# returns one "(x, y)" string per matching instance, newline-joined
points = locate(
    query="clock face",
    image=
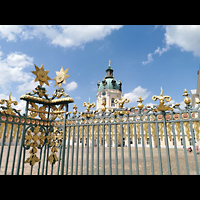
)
(103, 93)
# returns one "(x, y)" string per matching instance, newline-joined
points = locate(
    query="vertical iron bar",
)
(166, 144)
(87, 153)
(92, 162)
(46, 134)
(184, 145)
(82, 150)
(64, 141)
(58, 170)
(8, 152)
(97, 149)
(77, 149)
(47, 159)
(159, 152)
(116, 144)
(129, 149)
(151, 150)
(68, 146)
(15, 151)
(122, 147)
(103, 152)
(3, 141)
(175, 146)
(136, 150)
(193, 143)
(22, 140)
(72, 155)
(110, 158)
(44, 159)
(40, 161)
(143, 147)
(23, 160)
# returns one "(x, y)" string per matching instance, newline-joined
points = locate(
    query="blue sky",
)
(144, 58)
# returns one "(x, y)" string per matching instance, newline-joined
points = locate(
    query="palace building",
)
(108, 90)
(195, 94)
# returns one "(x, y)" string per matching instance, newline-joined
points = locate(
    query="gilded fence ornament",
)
(153, 130)
(169, 130)
(187, 129)
(138, 131)
(121, 102)
(187, 99)
(145, 127)
(140, 105)
(41, 75)
(75, 109)
(31, 139)
(61, 77)
(8, 102)
(161, 131)
(88, 105)
(196, 129)
(131, 131)
(54, 139)
(161, 98)
(178, 130)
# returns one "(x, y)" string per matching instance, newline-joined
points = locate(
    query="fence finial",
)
(161, 98)
(187, 99)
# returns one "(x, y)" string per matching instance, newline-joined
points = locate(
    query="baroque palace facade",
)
(108, 97)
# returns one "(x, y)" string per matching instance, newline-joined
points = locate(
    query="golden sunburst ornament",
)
(61, 76)
(41, 75)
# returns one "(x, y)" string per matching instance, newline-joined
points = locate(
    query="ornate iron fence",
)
(47, 139)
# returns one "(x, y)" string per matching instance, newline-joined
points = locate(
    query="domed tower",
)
(109, 89)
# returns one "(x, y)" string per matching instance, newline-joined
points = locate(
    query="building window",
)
(104, 99)
(112, 102)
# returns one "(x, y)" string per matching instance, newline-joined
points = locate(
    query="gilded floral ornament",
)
(54, 139)
(121, 102)
(8, 102)
(88, 105)
(161, 98)
(41, 75)
(31, 139)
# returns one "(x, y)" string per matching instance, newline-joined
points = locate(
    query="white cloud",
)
(12, 69)
(150, 59)
(71, 86)
(61, 35)
(134, 95)
(9, 32)
(186, 37)
(27, 87)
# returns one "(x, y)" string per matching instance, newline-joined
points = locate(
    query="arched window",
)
(112, 102)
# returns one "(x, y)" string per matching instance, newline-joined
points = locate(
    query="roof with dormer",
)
(109, 81)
